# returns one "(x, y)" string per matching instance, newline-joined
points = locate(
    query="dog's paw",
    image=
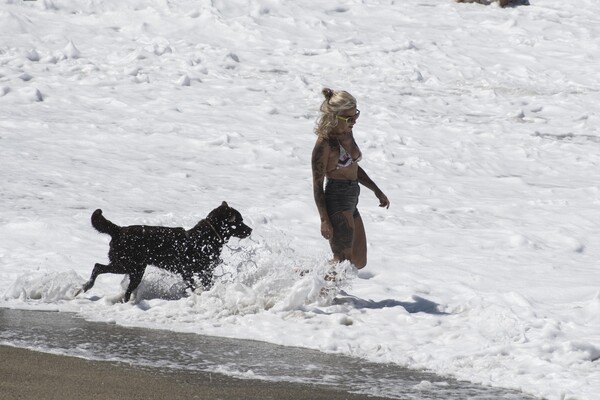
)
(302, 272)
(197, 291)
(84, 288)
(116, 299)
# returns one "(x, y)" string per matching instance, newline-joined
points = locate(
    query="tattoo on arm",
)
(319, 161)
(318, 166)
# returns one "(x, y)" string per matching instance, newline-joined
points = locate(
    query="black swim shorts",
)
(341, 195)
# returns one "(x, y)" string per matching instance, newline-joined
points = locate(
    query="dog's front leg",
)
(206, 276)
(191, 284)
(188, 278)
(135, 278)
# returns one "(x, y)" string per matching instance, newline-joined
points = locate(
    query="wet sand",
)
(26, 374)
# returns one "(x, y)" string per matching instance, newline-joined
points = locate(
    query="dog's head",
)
(229, 222)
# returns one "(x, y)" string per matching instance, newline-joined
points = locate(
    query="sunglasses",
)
(349, 120)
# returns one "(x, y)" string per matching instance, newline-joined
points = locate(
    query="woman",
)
(335, 157)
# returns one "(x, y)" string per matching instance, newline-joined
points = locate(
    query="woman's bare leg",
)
(359, 244)
(349, 240)
(343, 236)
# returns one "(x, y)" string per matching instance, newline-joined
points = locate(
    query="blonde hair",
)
(336, 102)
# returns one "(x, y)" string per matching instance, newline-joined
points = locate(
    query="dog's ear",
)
(224, 204)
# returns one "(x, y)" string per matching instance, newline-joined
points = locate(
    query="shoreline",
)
(29, 374)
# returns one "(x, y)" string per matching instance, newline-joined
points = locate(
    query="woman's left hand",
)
(383, 200)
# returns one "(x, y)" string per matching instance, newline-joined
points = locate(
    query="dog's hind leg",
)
(135, 278)
(207, 278)
(100, 269)
(188, 279)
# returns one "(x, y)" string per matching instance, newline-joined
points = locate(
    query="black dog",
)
(193, 252)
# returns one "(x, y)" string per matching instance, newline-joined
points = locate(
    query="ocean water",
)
(64, 333)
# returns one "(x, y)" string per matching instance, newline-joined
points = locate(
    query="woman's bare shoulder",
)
(322, 144)
(328, 142)
(320, 148)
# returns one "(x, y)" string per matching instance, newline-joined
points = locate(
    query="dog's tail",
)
(103, 225)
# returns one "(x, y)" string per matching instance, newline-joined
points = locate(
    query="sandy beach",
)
(26, 374)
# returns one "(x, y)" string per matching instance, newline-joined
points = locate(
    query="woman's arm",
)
(319, 164)
(364, 180)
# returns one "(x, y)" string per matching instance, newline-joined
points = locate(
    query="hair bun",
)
(328, 93)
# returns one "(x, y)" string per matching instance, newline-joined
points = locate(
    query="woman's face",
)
(345, 121)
